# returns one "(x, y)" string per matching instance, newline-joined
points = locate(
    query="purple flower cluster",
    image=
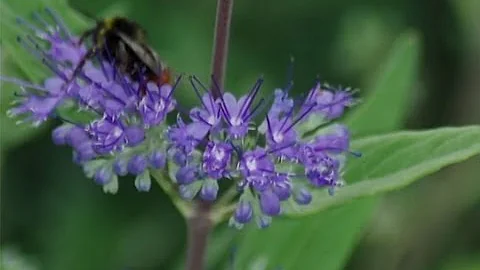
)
(270, 164)
(126, 117)
(126, 132)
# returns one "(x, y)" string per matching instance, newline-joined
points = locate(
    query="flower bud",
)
(303, 196)
(244, 212)
(103, 175)
(185, 175)
(157, 160)
(269, 203)
(137, 164)
(209, 190)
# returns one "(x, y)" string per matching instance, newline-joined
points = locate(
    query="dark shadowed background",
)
(54, 218)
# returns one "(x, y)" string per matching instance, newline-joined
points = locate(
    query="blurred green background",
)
(54, 218)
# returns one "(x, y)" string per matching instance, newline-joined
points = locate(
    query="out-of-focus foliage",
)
(55, 215)
(386, 105)
(11, 259)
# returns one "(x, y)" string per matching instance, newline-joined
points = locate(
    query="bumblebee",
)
(123, 42)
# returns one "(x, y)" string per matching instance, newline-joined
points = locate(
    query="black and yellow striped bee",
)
(123, 42)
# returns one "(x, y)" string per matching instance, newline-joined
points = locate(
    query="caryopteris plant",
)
(242, 158)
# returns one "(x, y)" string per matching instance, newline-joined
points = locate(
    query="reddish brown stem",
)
(200, 223)
(220, 46)
(199, 226)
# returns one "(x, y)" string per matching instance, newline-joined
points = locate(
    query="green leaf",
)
(392, 161)
(313, 242)
(386, 105)
(73, 114)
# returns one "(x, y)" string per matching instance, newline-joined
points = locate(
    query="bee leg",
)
(138, 72)
(84, 36)
(91, 52)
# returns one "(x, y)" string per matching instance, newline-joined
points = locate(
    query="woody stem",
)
(200, 223)
(220, 47)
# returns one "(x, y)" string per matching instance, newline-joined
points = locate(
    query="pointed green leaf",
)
(392, 161)
(385, 107)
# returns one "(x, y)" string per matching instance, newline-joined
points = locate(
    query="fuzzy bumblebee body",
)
(123, 42)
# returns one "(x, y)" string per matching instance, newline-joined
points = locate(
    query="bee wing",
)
(144, 53)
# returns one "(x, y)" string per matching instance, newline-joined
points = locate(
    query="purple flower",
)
(244, 212)
(183, 137)
(206, 117)
(209, 190)
(76, 136)
(325, 173)
(269, 203)
(308, 156)
(256, 162)
(303, 196)
(103, 176)
(83, 152)
(179, 157)
(186, 175)
(237, 114)
(336, 142)
(234, 116)
(106, 135)
(137, 164)
(79, 140)
(260, 182)
(134, 136)
(120, 167)
(328, 103)
(42, 102)
(281, 185)
(154, 106)
(281, 137)
(256, 168)
(340, 99)
(216, 159)
(282, 104)
(65, 51)
(158, 159)
(39, 107)
(280, 132)
(60, 134)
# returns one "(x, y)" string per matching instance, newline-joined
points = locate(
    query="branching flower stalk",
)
(116, 125)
